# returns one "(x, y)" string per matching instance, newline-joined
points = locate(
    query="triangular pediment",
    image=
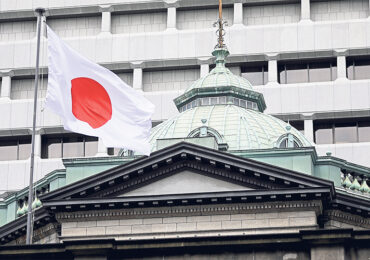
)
(185, 182)
(183, 169)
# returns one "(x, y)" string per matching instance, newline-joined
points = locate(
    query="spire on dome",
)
(220, 51)
(220, 23)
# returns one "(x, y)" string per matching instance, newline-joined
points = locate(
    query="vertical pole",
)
(220, 9)
(220, 36)
(40, 12)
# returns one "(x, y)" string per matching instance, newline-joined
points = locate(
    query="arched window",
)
(288, 141)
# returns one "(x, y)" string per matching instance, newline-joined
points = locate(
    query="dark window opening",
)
(299, 125)
(256, 73)
(307, 71)
(358, 67)
(15, 148)
(284, 144)
(336, 131)
(68, 145)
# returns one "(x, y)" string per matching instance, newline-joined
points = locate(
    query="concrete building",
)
(308, 58)
(225, 179)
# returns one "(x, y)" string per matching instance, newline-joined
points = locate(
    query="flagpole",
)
(40, 12)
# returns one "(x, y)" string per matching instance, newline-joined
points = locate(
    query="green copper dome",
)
(240, 128)
(225, 106)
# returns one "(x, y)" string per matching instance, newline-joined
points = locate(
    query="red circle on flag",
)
(90, 102)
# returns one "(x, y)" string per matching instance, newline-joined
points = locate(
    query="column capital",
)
(106, 8)
(38, 131)
(341, 52)
(6, 73)
(171, 3)
(205, 60)
(272, 56)
(307, 116)
(137, 64)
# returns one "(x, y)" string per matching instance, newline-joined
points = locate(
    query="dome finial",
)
(220, 23)
(220, 51)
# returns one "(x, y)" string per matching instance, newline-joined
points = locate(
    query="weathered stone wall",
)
(340, 219)
(189, 221)
(44, 235)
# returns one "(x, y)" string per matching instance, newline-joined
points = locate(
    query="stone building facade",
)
(301, 55)
(225, 179)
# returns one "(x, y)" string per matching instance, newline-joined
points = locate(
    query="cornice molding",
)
(218, 209)
(189, 153)
(347, 218)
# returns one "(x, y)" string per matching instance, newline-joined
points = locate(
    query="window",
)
(307, 71)
(299, 125)
(358, 67)
(324, 133)
(285, 143)
(364, 131)
(338, 131)
(255, 73)
(113, 151)
(322, 71)
(288, 141)
(345, 132)
(116, 151)
(219, 100)
(15, 148)
(155, 123)
(68, 145)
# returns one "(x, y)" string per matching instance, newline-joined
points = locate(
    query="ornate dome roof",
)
(239, 127)
(220, 76)
(225, 106)
(220, 82)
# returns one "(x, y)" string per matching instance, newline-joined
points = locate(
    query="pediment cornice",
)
(173, 159)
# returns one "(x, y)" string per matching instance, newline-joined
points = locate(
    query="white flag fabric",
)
(94, 101)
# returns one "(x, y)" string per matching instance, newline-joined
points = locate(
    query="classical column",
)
(238, 13)
(102, 150)
(37, 151)
(106, 11)
(204, 69)
(204, 65)
(137, 81)
(305, 10)
(308, 129)
(272, 68)
(6, 83)
(341, 64)
(171, 17)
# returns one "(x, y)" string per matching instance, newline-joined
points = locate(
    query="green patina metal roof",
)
(241, 128)
(221, 82)
(221, 76)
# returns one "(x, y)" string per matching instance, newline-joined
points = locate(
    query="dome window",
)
(221, 100)
(205, 131)
(285, 143)
(288, 140)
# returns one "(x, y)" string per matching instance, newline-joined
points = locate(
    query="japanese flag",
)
(94, 101)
